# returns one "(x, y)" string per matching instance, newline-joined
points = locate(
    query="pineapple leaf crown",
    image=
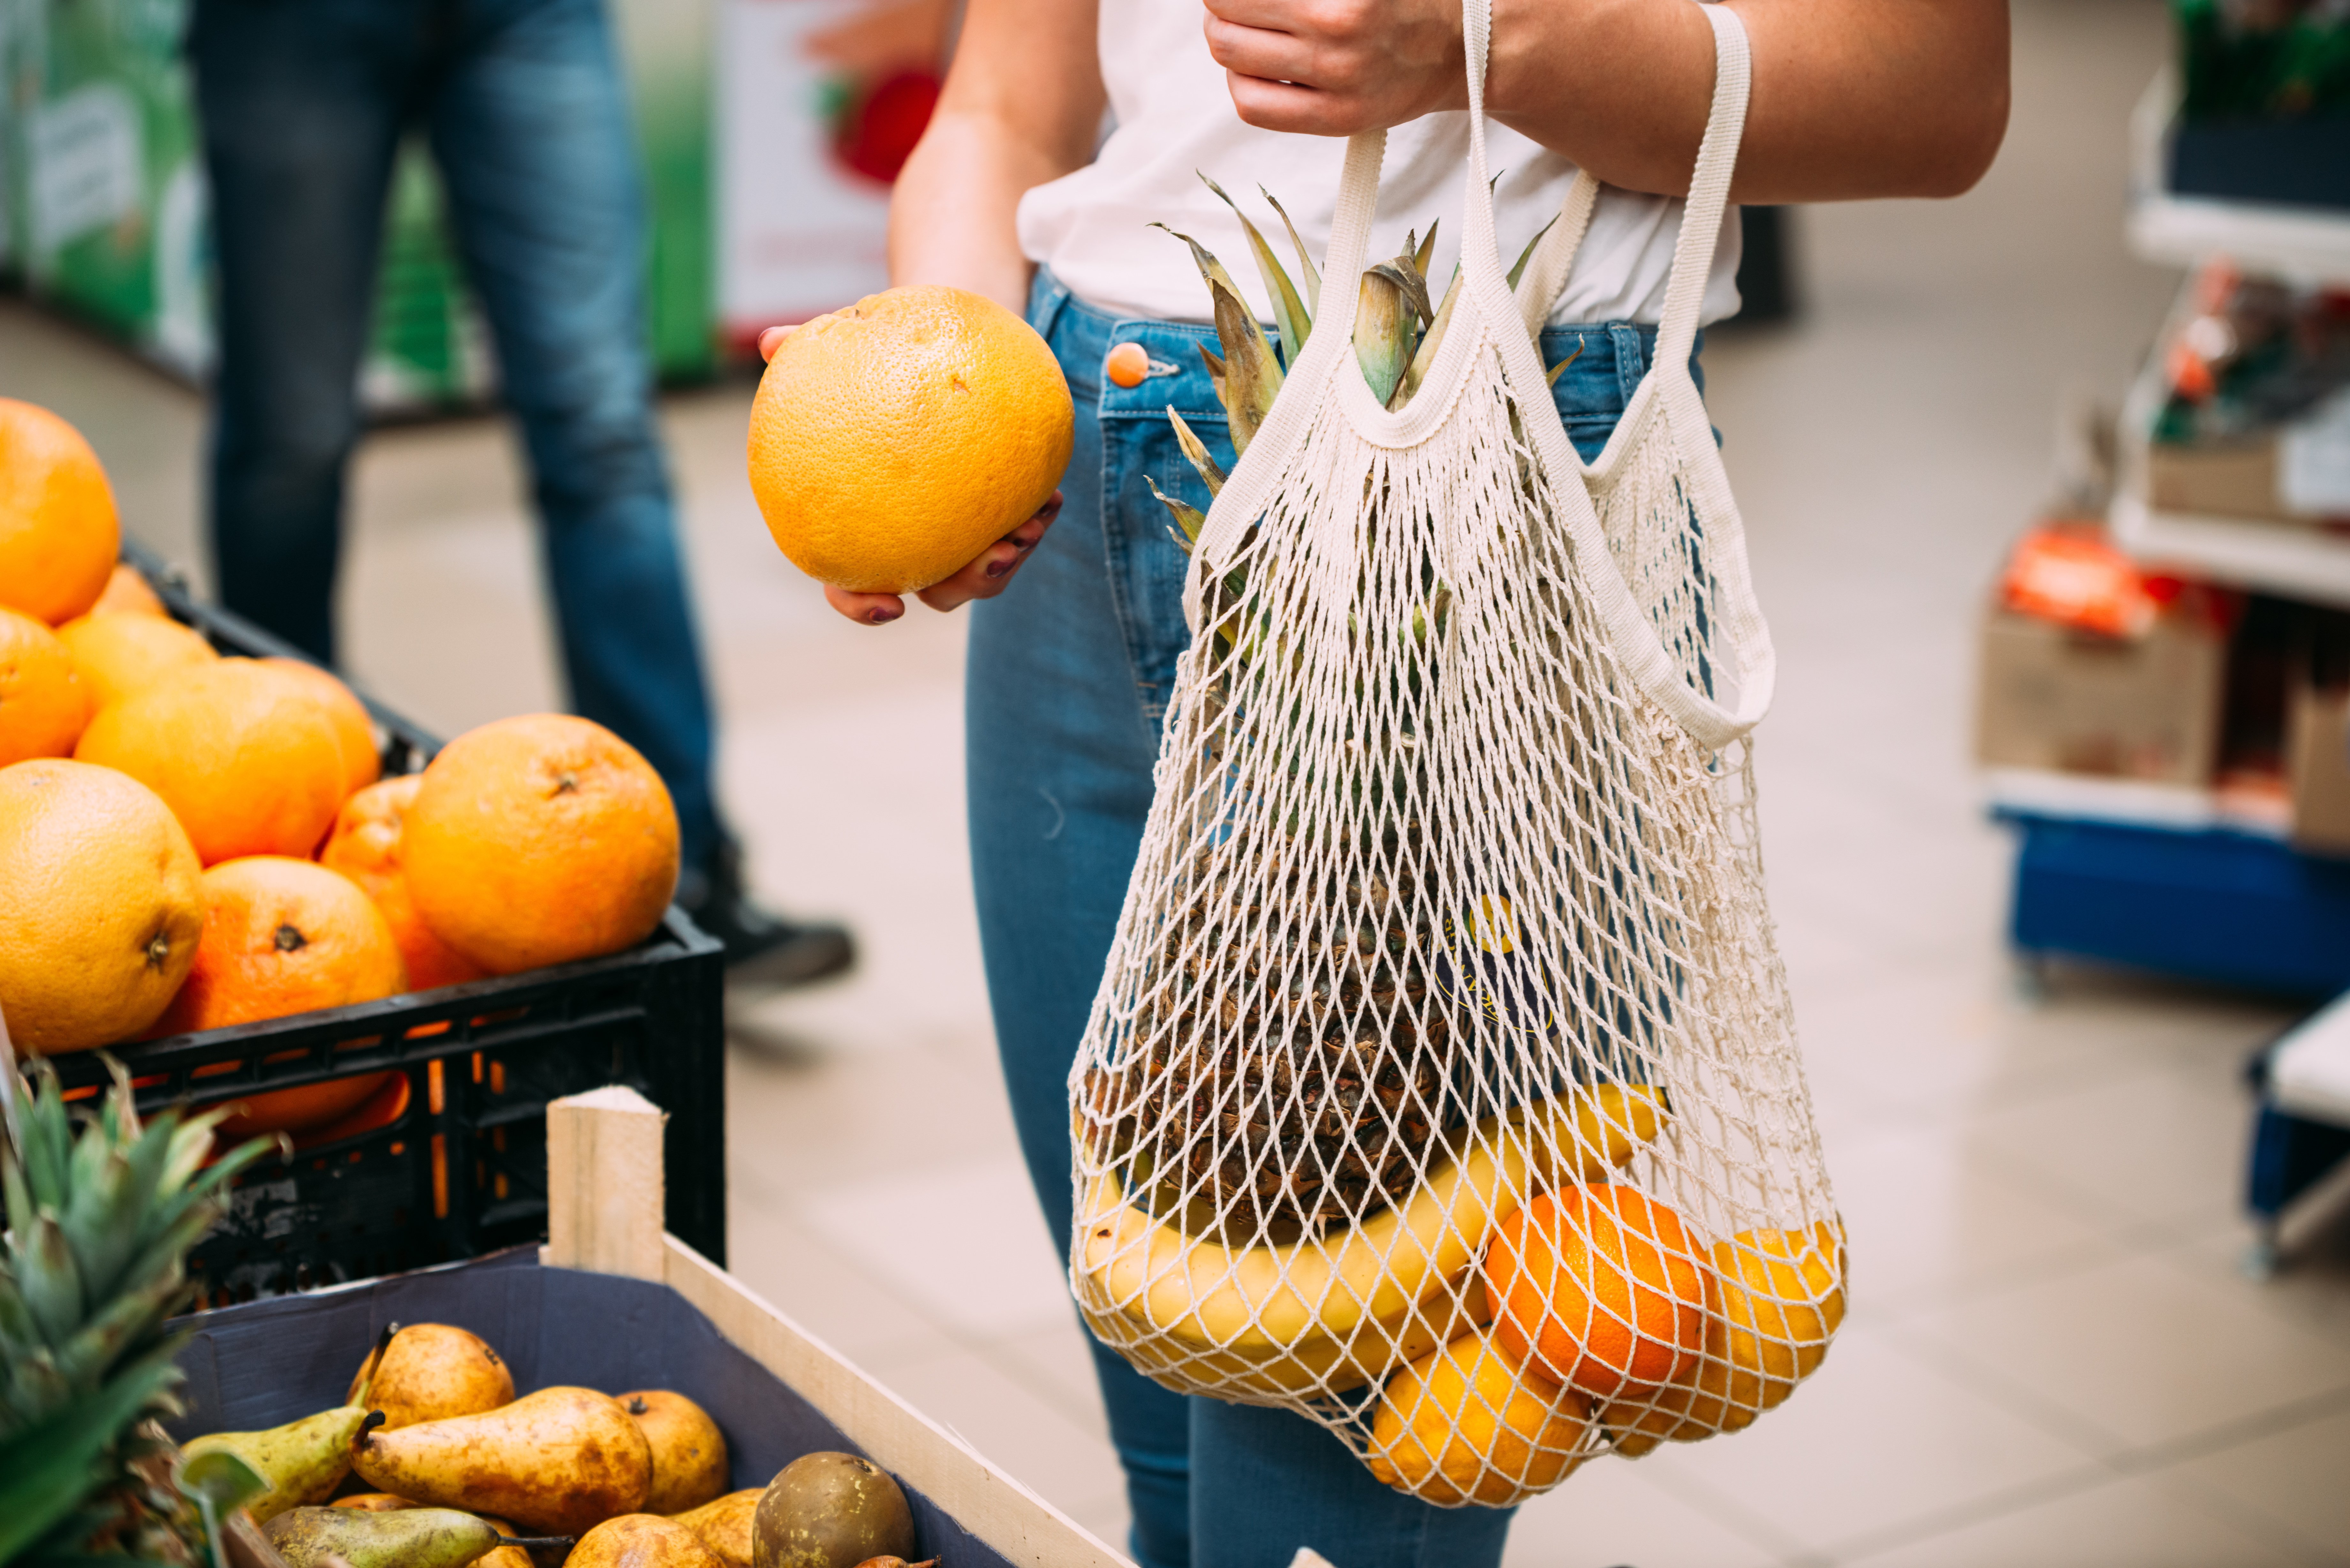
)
(101, 1211)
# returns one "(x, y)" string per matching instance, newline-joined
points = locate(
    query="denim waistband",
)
(1614, 356)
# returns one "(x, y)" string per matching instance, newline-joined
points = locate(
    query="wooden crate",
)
(614, 1302)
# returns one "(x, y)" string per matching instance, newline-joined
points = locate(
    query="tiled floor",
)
(2052, 1361)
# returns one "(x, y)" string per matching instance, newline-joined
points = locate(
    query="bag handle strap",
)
(1548, 268)
(1709, 195)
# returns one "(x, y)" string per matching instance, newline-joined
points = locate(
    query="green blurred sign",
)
(103, 209)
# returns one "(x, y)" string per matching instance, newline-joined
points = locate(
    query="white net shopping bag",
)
(1442, 1085)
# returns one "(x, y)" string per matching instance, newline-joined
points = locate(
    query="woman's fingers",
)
(993, 572)
(983, 578)
(866, 609)
(773, 338)
(1329, 68)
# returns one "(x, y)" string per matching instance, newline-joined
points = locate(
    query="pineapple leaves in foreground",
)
(1304, 258)
(1289, 312)
(1528, 254)
(100, 1220)
(1196, 451)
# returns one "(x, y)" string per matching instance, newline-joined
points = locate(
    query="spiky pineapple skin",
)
(99, 1220)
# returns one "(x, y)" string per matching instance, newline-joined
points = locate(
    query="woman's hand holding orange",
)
(984, 577)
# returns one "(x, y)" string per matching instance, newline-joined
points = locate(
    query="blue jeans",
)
(1069, 678)
(303, 103)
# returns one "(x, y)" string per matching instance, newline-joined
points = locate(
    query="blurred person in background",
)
(304, 104)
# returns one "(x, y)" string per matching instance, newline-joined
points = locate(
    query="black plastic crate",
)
(460, 1167)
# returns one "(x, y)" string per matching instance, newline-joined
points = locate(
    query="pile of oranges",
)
(1598, 1307)
(189, 841)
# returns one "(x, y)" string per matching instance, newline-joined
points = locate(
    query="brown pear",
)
(560, 1461)
(431, 1371)
(373, 1502)
(724, 1526)
(830, 1510)
(689, 1451)
(641, 1541)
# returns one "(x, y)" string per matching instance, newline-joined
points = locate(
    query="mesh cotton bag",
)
(1442, 1085)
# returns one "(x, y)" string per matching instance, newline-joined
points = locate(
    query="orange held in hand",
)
(365, 847)
(540, 840)
(893, 441)
(245, 756)
(44, 700)
(99, 907)
(1601, 1288)
(59, 532)
(123, 655)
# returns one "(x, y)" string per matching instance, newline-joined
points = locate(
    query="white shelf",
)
(2293, 559)
(2298, 560)
(2131, 802)
(2294, 242)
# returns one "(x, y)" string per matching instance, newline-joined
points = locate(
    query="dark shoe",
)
(762, 949)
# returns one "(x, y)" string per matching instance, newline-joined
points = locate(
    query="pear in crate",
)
(724, 1525)
(402, 1538)
(302, 1461)
(689, 1451)
(560, 1461)
(431, 1371)
(830, 1510)
(641, 1541)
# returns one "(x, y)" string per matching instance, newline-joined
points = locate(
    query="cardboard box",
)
(2143, 708)
(2317, 769)
(2235, 481)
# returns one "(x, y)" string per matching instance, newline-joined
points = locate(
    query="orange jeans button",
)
(1127, 364)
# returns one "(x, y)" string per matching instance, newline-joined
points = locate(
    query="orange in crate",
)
(540, 840)
(127, 593)
(44, 700)
(365, 846)
(123, 655)
(354, 731)
(58, 532)
(285, 936)
(100, 905)
(1600, 1288)
(246, 756)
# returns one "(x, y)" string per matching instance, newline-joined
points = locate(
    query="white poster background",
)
(798, 235)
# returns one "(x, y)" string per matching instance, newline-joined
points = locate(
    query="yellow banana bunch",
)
(1333, 1312)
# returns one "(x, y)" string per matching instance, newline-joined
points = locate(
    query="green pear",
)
(302, 1461)
(401, 1538)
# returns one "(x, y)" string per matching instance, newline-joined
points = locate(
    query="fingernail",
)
(997, 568)
(1023, 545)
(879, 616)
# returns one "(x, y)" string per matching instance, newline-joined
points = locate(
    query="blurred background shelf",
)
(2173, 228)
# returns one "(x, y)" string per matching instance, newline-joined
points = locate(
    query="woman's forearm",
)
(1021, 105)
(1851, 98)
(951, 216)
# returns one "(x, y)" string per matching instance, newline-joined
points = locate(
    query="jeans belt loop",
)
(1631, 359)
(1055, 295)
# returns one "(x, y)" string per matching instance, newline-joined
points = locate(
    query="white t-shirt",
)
(1174, 115)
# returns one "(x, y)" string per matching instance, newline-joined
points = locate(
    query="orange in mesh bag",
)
(1442, 1085)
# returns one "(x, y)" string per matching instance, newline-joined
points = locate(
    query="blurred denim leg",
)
(530, 127)
(301, 107)
(1266, 1483)
(1057, 760)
